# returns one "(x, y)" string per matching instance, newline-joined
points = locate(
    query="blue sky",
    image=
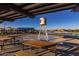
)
(64, 19)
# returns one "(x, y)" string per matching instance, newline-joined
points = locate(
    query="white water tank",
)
(42, 21)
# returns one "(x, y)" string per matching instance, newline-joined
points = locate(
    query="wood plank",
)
(24, 53)
(75, 41)
(38, 43)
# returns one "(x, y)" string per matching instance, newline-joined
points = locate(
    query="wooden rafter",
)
(10, 11)
(17, 9)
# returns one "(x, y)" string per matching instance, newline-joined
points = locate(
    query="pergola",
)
(12, 11)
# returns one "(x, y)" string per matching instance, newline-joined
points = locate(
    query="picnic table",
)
(14, 37)
(41, 43)
(73, 47)
(44, 44)
(3, 39)
(74, 43)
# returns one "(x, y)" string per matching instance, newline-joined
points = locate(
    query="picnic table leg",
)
(56, 51)
(14, 40)
(53, 49)
(2, 45)
(10, 41)
(22, 47)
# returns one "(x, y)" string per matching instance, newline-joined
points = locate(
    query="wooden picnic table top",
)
(4, 38)
(14, 35)
(24, 53)
(39, 43)
(75, 41)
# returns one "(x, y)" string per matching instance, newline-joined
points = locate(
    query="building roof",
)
(12, 11)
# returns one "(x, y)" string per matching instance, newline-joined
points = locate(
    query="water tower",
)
(43, 31)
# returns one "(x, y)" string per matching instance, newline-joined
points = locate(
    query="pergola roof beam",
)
(57, 9)
(17, 9)
(13, 15)
(8, 13)
(17, 17)
(35, 6)
(49, 7)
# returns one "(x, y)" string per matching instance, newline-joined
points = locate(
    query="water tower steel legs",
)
(41, 31)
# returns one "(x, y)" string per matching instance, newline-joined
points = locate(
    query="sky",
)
(66, 19)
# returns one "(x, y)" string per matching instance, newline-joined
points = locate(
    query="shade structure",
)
(12, 11)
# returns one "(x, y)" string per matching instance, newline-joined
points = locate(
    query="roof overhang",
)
(12, 11)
